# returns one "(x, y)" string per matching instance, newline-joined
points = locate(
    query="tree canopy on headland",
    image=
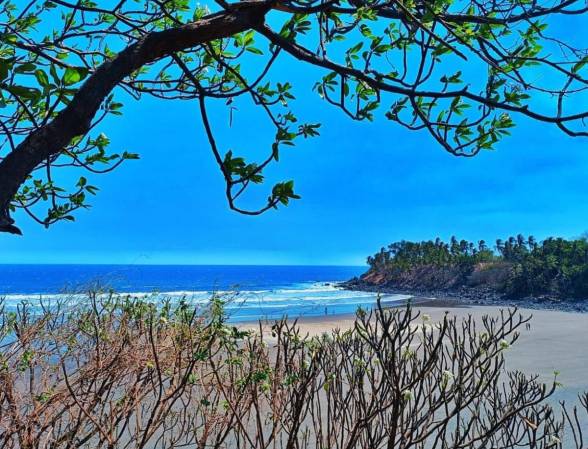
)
(462, 71)
(517, 266)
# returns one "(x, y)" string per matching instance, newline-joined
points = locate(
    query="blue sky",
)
(363, 185)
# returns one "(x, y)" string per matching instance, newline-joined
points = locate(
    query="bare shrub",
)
(119, 372)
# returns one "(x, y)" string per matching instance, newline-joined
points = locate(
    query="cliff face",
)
(554, 269)
(433, 277)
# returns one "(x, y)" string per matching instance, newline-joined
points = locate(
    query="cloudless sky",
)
(363, 185)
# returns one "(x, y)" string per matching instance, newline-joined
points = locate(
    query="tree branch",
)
(75, 119)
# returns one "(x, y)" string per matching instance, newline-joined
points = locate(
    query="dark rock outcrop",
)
(481, 284)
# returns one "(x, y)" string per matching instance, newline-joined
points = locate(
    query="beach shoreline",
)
(549, 345)
(473, 296)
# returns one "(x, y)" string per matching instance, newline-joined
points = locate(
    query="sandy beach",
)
(556, 341)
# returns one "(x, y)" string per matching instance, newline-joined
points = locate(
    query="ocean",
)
(251, 292)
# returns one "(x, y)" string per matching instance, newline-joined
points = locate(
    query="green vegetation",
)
(555, 266)
(404, 254)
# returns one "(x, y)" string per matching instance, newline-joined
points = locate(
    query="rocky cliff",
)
(486, 276)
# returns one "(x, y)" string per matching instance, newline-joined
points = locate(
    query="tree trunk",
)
(76, 118)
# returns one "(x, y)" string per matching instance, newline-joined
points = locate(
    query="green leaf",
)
(25, 93)
(27, 67)
(5, 66)
(42, 78)
(254, 50)
(74, 75)
(581, 63)
(130, 156)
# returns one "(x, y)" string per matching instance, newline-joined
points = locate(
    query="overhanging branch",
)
(75, 119)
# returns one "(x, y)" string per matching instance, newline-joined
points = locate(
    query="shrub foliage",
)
(122, 373)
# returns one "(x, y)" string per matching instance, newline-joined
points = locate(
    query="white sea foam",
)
(301, 299)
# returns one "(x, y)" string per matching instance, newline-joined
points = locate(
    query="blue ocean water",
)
(252, 292)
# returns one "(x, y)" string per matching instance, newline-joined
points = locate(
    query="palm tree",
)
(500, 247)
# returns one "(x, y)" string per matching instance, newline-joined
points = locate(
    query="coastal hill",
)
(517, 267)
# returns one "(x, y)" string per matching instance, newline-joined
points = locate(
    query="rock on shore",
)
(485, 294)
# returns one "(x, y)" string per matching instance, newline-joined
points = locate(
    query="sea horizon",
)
(251, 291)
(187, 264)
